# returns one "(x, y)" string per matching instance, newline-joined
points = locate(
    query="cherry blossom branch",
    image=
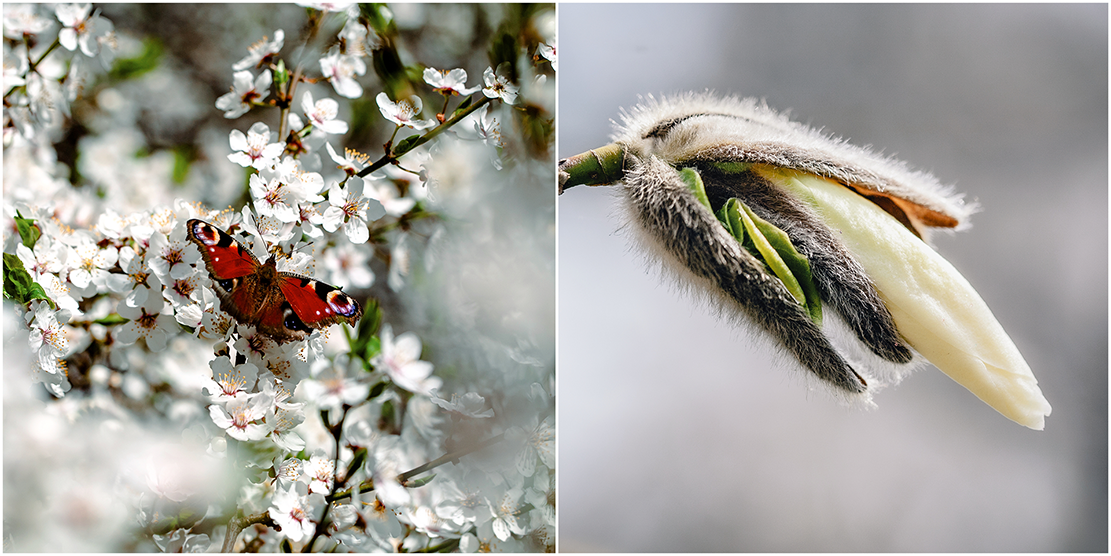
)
(368, 485)
(390, 157)
(337, 432)
(53, 45)
(240, 522)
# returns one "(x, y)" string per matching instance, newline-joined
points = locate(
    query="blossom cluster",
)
(324, 443)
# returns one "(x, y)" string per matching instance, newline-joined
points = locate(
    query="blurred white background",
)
(678, 433)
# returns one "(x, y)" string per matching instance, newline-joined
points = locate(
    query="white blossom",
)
(403, 112)
(261, 51)
(254, 149)
(498, 85)
(245, 92)
(322, 114)
(341, 70)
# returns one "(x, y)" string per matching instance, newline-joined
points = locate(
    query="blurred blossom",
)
(348, 266)
(535, 444)
(357, 38)
(385, 192)
(468, 405)
(260, 52)
(400, 359)
(337, 384)
(331, 7)
(16, 65)
(24, 19)
(181, 541)
(399, 263)
(504, 512)
(342, 70)
(81, 28)
(548, 52)
(386, 485)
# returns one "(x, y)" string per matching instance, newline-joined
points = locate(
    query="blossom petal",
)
(934, 307)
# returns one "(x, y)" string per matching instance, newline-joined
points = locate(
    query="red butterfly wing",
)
(235, 273)
(223, 255)
(317, 304)
(282, 305)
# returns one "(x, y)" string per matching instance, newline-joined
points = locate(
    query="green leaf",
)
(147, 60)
(110, 319)
(377, 16)
(29, 233)
(730, 217)
(18, 284)
(405, 145)
(694, 183)
(183, 158)
(417, 483)
(377, 389)
(281, 75)
(792, 268)
(366, 343)
(463, 106)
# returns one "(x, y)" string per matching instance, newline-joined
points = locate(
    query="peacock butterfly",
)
(282, 305)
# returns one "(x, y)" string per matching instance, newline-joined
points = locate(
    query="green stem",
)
(50, 49)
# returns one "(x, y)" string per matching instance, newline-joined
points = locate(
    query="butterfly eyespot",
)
(341, 303)
(293, 322)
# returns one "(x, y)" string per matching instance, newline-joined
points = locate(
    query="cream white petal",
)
(934, 307)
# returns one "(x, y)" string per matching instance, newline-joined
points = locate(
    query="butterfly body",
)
(282, 305)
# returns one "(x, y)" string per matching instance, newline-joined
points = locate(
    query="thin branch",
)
(368, 485)
(49, 49)
(388, 158)
(237, 524)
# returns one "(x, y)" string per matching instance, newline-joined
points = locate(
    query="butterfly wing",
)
(223, 255)
(283, 305)
(317, 304)
(234, 269)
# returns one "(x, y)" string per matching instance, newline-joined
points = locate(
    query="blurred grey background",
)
(677, 433)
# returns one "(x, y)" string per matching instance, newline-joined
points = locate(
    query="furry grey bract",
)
(729, 142)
